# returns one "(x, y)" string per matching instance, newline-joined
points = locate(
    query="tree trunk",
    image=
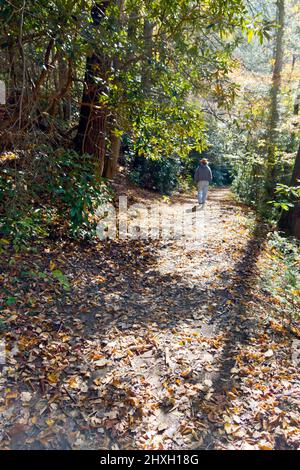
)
(296, 170)
(91, 134)
(297, 101)
(270, 180)
(148, 48)
(296, 113)
(277, 70)
(63, 86)
(67, 98)
(111, 163)
(290, 220)
(112, 155)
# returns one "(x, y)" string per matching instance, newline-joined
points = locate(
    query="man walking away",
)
(202, 178)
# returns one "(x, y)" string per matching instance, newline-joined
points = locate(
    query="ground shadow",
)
(122, 285)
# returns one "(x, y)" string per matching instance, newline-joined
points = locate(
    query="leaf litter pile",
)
(148, 344)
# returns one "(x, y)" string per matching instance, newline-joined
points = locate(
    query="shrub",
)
(160, 174)
(248, 173)
(282, 272)
(49, 187)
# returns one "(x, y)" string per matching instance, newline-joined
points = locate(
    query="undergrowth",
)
(281, 272)
(46, 192)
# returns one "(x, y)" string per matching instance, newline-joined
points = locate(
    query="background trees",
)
(158, 79)
(104, 63)
(259, 137)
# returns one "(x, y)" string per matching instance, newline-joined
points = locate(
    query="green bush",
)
(286, 197)
(248, 174)
(160, 174)
(282, 275)
(74, 188)
(49, 188)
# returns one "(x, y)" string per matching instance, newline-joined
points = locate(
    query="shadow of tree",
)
(240, 326)
(138, 287)
(121, 284)
(232, 319)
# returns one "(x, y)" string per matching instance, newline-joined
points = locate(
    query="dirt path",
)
(156, 345)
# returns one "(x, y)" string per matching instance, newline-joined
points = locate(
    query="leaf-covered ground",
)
(149, 345)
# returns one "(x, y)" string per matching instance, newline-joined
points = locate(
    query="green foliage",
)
(164, 173)
(61, 278)
(74, 188)
(10, 300)
(160, 174)
(243, 146)
(248, 177)
(286, 196)
(64, 190)
(174, 129)
(282, 273)
(148, 91)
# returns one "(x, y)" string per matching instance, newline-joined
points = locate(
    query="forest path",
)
(165, 344)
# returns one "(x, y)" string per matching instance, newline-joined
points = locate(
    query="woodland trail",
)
(156, 345)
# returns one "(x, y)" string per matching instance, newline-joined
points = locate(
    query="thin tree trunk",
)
(148, 48)
(111, 163)
(270, 179)
(290, 220)
(62, 90)
(297, 101)
(67, 98)
(296, 171)
(296, 113)
(93, 114)
(112, 155)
